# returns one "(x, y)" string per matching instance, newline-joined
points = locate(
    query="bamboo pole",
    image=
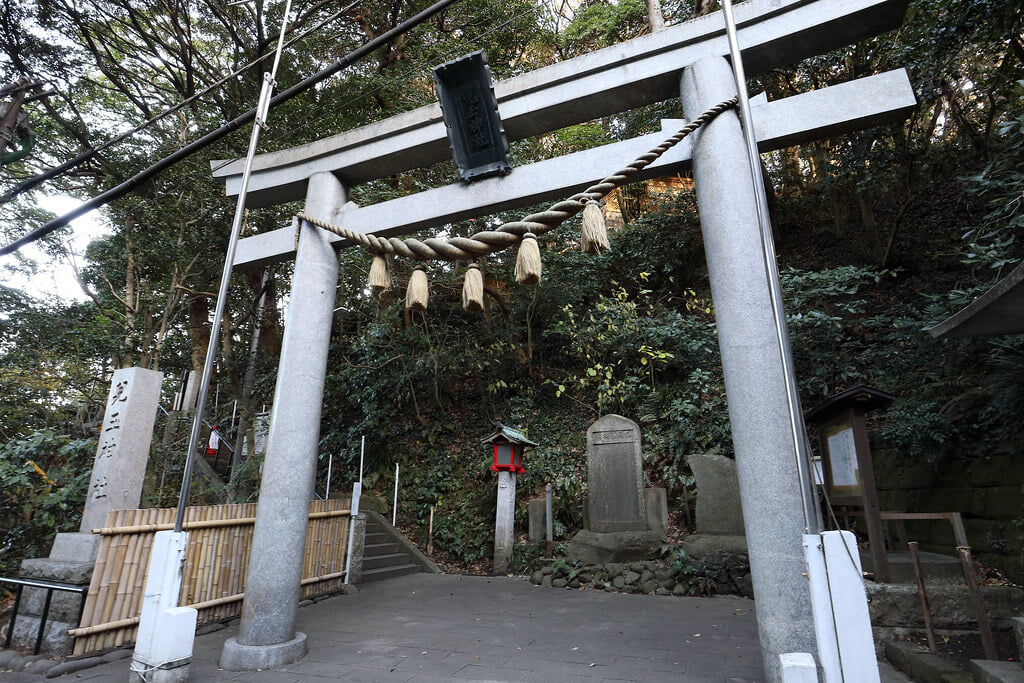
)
(134, 621)
(198, 524)
(103, 628)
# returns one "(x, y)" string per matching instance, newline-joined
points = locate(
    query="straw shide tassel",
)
(528, 261)
(418, 292)
(594, 235)
(380, 275)
(473, 289)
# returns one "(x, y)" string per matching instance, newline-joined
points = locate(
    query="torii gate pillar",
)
(754, 383)
(266, 636)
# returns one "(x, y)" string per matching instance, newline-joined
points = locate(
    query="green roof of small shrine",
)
(509, 434)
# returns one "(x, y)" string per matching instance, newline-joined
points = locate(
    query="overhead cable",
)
(401, 78)
(90, 153)
(127, 186)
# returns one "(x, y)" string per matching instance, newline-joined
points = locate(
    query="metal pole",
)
(225, 279)
(362, 450)
(812, 521)
(394, 506)
(327, 489)
(550, 520)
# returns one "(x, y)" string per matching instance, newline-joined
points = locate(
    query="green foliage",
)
(605, 23)
(995, 242)
(870, 232)
(46, 477)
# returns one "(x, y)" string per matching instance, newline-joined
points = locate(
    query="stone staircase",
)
(385, 554)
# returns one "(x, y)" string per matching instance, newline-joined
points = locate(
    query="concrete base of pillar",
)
(56, 641)
(71, 561)
(355, 570)
(142, 672)
(238, 657)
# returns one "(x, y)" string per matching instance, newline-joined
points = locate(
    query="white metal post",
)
(394, 505)
(821, 609)
(327, 489)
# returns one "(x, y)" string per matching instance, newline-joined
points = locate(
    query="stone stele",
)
(123, 448)
(719, 513)
(615, 476)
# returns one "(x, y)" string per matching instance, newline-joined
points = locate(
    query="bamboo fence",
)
(213, 575)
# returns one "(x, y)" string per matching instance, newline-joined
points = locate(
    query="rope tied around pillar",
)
(515, 232)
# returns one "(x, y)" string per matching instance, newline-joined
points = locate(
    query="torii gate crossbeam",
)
(628, 75)
(856, 105)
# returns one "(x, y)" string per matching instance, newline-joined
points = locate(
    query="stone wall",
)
(988, 492)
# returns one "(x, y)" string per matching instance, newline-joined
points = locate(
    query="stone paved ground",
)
(428, 627)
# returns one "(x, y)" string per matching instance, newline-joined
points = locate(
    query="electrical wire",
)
(90, 153)
(128, 185)
(203, 171)
(404, 77)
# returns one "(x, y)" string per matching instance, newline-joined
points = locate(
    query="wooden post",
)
(987, 641)
(872, 516)
(926, 609)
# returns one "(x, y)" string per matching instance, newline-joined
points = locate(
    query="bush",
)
(46, 477)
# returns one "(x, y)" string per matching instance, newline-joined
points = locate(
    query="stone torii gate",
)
(686, 59)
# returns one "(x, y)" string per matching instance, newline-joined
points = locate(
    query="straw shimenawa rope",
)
(510, 234)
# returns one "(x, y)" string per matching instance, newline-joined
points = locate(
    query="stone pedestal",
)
(597, 547)
(504, 523)
(70, 562)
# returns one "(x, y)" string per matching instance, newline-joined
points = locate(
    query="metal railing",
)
(49, 587)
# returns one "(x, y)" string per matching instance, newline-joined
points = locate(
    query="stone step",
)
(382, 573)
(389, 560)
(376, 549)
(377, 537)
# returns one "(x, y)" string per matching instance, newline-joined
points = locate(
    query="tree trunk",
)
(654, 16)
(198, 331)
(865, 199)
(704, 7)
